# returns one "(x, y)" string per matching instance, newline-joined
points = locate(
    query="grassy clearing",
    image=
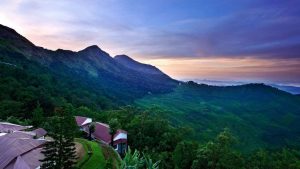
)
(111, 155)
(85, 158)
(94, 160)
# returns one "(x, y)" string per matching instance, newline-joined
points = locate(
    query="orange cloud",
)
(249, 69)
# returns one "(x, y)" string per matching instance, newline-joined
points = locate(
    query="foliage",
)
(286, 158)
(148, 132)
(261, 116)
(218, 154)
(136, 161)
(132, 160)
(184, 154)
(113, 127)
(37, 116)
(60, 153)
(149, 164)
(91, 130)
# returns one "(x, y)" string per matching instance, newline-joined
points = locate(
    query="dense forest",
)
(262, 116)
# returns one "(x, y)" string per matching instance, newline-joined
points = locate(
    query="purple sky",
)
(248, 40)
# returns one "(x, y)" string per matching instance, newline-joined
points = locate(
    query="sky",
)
(233, 40)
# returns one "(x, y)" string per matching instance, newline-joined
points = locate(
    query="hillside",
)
(137, 66)
(262, 116)
(92, 66)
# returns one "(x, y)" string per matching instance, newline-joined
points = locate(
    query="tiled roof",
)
(15, 144)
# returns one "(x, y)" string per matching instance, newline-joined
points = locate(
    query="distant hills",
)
(261, 115)
(287, 88)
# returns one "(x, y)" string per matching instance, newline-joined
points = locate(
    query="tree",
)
(60, 153)
(259, 160)
(184, 154)
(37, 116)
(113, 127)
(91, 130)
(50, 158)
(286, 158)
(218, 154)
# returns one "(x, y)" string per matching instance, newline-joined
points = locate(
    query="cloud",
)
(260, 29)
(260, 32)
(248, 69)
(171, 30)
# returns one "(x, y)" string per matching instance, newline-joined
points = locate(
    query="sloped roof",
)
(102, 133)
(32, 159)
(19, 134)
(21, 164)
(81, 121)
(9, 127)
(40, 132)
(13, 145)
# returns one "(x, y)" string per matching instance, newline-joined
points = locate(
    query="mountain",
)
(31, 76)
(290, 89)
(91, 65)
(287, 88)
(137, 66)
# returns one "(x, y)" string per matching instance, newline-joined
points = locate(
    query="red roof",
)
(101, 130)
(102, 133)
(80, 120)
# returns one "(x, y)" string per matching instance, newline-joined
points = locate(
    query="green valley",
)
(262, 116)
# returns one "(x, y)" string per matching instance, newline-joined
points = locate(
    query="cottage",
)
(83, 123)
(102, 133)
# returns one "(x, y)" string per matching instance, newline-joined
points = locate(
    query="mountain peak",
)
(124, 58)
(2, 28)
(92, 47)
(13, 37)
(135, 65)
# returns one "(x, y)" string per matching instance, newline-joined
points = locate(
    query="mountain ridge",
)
(90, 63)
